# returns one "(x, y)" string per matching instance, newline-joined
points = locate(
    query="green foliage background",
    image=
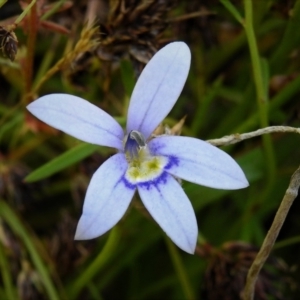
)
(244, 76)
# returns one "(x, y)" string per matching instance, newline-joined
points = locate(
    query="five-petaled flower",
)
(150, 165)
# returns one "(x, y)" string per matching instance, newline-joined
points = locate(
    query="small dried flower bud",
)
(227, 271)
(8, 43)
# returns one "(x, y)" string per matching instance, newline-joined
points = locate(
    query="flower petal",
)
(79, 118)
(107, 199)
(199, 162)
(172, 210)
(158, 88)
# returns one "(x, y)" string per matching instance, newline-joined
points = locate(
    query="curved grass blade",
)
(232, 9)
(10, 292)
(61, 162)
(19, 229)
(2, 2)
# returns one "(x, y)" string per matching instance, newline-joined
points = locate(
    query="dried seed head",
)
(8, 43)
(227, 271)
(133, 27)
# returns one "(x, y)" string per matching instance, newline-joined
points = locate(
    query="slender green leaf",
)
(6, 275)
(61, 162)
(128, 78)
(2, 2)
(25, 12)
(288, 43)
(232, 9)
(180, 270)
(265, 75)
(19, 229)
(12, 123)
(287, 242)
(53, 9)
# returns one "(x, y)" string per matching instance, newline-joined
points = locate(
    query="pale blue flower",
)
(149, 166)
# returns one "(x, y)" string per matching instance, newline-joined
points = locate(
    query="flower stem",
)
(25, 12)
(180, 270)
(261, 84)
(287, 201)
(53, 9)
(6, 276)
(257, 71)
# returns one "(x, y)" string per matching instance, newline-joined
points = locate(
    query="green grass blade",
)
(61, 162)
(231, 8)
(19, 229)
(2, 2)
(6, 276)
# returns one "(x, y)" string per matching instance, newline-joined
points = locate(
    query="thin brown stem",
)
(237, 137)
(264, 252)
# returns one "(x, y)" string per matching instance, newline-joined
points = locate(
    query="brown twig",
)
(236, 137)
(287, 201)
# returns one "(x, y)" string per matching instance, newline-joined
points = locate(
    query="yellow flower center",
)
(142, 166)
(145, 167)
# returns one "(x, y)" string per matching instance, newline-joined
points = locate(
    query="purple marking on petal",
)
(155, 147)
(172, 210)
(162, 179)
(106, 200)
(199, 162)
(173, 161)
(147, 184)
(127, 183)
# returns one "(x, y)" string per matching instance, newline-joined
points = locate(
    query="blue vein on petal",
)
(172, 161)
(84, 121)
(156, 148)
(156, 186)
(158, 88)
